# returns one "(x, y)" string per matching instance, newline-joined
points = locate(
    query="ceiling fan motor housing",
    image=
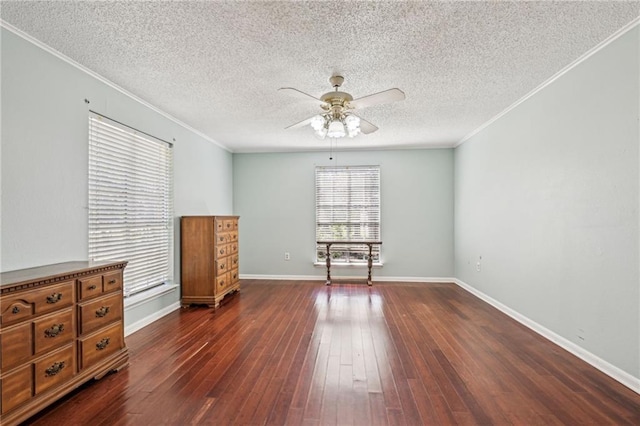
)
(336, 103)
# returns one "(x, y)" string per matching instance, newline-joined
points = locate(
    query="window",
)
(130, 202)
(348, 209)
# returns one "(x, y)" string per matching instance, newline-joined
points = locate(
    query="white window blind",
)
(130, 202)
(348, 209)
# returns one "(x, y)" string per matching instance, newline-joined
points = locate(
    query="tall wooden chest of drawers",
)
(60, 326)
(209, 259)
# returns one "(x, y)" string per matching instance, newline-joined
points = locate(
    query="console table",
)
(370, 244)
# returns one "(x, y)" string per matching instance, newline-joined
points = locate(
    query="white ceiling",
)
(216, 66)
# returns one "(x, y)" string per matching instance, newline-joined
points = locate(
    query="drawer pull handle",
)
(104, 310)
(15, 310)
(221, 251)
(222, 283)
(54, 330)
(103, 343)
(222, 266)
(112, 282)
(92, 287)
(54, 298)
(54, 369)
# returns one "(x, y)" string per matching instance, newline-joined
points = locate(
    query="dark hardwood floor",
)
(301, 353)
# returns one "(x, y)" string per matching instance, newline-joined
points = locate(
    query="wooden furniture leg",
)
(369, 265)
(328, 265)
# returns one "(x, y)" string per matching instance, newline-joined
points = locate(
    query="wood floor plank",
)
(302, 353)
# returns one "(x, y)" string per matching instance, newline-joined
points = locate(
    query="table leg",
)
(328, 265)
(369, 265)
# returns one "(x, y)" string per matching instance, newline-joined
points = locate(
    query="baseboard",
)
(345, 277)
(610, 370)
(283, 277)
(430, 280)
(151, 318)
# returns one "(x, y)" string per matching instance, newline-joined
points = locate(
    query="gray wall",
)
(548, 197)
(44, 159)
(275, 196)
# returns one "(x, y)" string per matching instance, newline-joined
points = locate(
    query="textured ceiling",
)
(216, 66)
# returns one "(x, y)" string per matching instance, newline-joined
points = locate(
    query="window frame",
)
(130, 202)
(357, 183)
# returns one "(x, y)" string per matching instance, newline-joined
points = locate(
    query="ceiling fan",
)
(336, 120)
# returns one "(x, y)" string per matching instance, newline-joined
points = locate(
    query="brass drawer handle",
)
(222, 266)
(104, 310)
(111, 282)
(54, 298)
(54, 330)
(103, 343)
(221, 251)
(15, 310)
(92, 287)
(54, 369)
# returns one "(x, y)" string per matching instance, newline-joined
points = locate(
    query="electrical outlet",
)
(478, 266)
(287, 256)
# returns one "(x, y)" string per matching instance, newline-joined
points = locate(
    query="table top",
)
(350, 242)
(12, 278)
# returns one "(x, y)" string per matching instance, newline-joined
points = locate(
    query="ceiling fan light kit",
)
(337, 120)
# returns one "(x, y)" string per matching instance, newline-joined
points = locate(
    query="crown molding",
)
(105, 81)
(631, 25)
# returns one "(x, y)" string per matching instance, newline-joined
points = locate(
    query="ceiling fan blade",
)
(384, 97)
(300, 124)
(299, 94)
(365, 126)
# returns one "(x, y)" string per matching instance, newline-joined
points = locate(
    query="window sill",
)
(148, 295)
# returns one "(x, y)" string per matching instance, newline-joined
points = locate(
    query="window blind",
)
(348, 209)
(130, 202)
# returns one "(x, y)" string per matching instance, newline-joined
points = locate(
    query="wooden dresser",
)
(60, 326)
(209, 259)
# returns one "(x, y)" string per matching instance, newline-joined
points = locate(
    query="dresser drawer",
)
(222, 239)
(25, 304)
(229, 225)
(53, 330)
(233, 248)
(221, 266)
(221, 251)
(222, 282)
(233, 237)
(17, 345)
(219, 226)
(99, 312)
(112, 281)
(17, 387)
(233, 277)
(54, 369)
(89, 287)
(234, 261)
(100, 345)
